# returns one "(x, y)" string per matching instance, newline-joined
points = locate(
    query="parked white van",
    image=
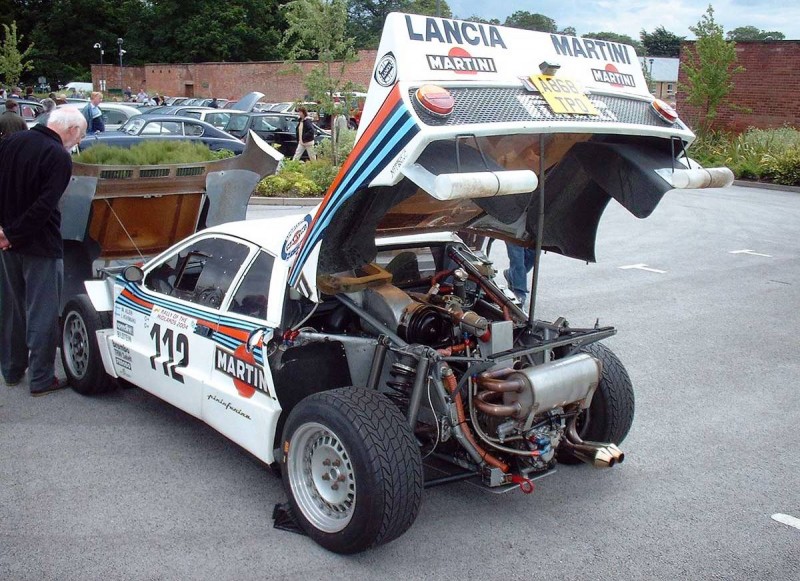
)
(79, 87)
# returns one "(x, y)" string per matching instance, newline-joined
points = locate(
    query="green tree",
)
(752, 33)
(13, 62)
(620, 38)
(661, 42)
(317, 30)
(428, 8)
(481, 19)
(710, 68)
(528, 21)
(366, 17)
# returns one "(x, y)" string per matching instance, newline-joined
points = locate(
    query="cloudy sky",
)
(630, 16)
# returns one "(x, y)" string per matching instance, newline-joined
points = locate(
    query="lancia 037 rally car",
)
(347, 362)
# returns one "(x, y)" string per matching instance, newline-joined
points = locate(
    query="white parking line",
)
(750, 252)
(787, 520)
(642, 267)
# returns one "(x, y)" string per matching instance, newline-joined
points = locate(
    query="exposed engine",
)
(482, 387)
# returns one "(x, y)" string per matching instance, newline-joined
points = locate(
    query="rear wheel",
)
(352, 469)
(610, 416)
(80, 352)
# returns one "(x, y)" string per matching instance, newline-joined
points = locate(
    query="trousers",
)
(30, 299)
(521, 261)
(305, 146)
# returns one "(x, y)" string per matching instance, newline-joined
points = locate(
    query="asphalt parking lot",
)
(706, 297)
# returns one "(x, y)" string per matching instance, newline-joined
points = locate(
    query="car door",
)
(240, 401)
(169, 321)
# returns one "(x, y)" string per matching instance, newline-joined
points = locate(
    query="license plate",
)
(563, 95)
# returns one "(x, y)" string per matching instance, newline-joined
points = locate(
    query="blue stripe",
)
(384, 147)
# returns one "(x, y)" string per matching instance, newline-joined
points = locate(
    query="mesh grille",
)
(190, 171)
(154, 173)
(116, 174)
(510, 105)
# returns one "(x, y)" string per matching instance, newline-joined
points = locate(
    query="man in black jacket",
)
(35, 168)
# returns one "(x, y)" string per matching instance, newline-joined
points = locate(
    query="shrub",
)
(755, 154)
(784, 167)
(299, 179)
(151, 153)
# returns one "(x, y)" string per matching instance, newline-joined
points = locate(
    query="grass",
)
(151, 153)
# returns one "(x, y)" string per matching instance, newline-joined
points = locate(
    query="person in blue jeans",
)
(521, 262)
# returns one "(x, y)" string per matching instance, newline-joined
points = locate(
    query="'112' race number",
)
(174, 343)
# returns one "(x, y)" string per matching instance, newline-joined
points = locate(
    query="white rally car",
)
(347, 362)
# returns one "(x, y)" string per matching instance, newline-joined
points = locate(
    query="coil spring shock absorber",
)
(403, 372)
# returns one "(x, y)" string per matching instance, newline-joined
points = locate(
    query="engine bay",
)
(483, 388)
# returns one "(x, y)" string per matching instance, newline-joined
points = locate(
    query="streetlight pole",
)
(121, 52)
(102, 82)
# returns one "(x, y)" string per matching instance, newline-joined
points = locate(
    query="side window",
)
(251, 296)
(111, 117)
(201, 273)
(193, 129)
(237, 123)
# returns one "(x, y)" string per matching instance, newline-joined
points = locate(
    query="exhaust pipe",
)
(598, 454)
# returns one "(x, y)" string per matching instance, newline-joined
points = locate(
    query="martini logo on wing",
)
(242, 367)
(292, 243)
(613, 77)
(461, 62)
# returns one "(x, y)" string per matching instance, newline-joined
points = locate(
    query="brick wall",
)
(228, 80)
(769, 87)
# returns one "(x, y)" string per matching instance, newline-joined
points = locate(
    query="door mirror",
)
(133, 273)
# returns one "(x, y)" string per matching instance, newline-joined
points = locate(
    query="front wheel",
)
(80, 352)
(352, 469)
(610, 416)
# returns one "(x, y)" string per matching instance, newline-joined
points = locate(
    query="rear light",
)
(664, 111)
(435, 99)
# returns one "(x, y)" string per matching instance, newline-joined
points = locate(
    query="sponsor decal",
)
(456, 32)
(613, 77)
(386, 70)
(228, 406)
(461, 62)
(247, 375)
(292, 243)
(125, 328)
(601, 50)
(173, 319)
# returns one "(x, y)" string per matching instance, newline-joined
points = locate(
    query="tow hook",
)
(525, 484)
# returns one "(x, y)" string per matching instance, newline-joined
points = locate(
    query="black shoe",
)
(55, 386)
(14, 382)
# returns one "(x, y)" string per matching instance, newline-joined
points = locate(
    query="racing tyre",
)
(610, 415)
(80, 352)
(351, 469)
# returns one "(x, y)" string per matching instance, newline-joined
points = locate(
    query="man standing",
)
(305, 136)
(35, 168)
(10, 120)
(93, 114)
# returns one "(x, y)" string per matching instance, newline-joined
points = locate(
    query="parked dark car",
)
(277, 129)
(146, 127)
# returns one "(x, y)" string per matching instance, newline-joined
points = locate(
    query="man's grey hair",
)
(66, 117)
(48, 104)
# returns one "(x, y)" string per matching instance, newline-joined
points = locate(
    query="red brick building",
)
(275, 79)
(768, 89)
